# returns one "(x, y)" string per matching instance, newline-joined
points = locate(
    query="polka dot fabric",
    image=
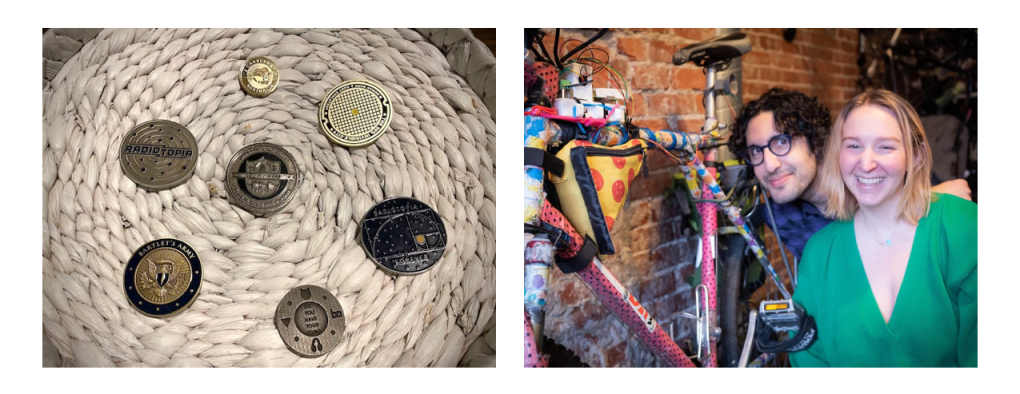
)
(709, 215)
(595, 184)
(613, 176)
(552, 216)
(532, 359)
(548, 73)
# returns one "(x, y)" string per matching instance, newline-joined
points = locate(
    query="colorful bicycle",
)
(590, 176)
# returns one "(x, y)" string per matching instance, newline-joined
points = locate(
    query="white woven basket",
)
(440, 149)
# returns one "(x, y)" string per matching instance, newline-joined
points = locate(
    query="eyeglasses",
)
(779, 145)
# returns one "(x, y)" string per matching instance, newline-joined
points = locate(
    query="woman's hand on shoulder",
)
(956, 187)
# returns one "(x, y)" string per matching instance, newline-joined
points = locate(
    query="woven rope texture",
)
(440, 149)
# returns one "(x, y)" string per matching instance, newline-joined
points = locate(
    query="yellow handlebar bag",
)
(594, 186)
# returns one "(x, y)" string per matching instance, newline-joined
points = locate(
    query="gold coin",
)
(163, 277)
(355, 113)
(259, 76)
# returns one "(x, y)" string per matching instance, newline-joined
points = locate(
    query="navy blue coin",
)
(163, 277)
(403, 236)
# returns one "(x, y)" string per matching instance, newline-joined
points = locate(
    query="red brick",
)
(634, 46)
(621, 66)
(661, 52)
(665, 104)
(793, 77)
(671, 256)
(654, 123)
(640, 262)
(645, 238)
(770, 74)
(772, 43)
(617, 354)
(695, 34)
(569, 295)
(687, 78)
(691, 125)
(639, 105)
(658, 286)
(654, 185)
(639, 213)
(758, 58)
(653, 76)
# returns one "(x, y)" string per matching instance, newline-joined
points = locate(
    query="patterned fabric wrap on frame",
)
(594, 186)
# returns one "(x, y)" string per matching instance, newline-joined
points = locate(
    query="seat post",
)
(709, 95)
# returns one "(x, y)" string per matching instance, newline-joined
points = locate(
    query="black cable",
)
(586, 43)
(556, 51)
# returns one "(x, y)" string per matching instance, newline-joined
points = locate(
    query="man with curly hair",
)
(782, 136)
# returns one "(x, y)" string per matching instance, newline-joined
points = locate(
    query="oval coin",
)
(310, 321)
(403, 236)
(262, 178)
(158, 155)
(163, 277)
(355, 113)
(259, 76)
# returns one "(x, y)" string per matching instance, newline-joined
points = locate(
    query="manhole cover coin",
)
(355, 113)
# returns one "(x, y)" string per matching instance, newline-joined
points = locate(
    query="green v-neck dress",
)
(934, 320)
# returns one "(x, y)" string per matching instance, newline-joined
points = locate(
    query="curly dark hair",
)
(795, 113)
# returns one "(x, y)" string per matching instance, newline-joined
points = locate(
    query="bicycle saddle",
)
(716, 50)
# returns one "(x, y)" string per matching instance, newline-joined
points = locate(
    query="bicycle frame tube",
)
(536, 133)
(709, 224)
(538, 251)
(614, 296)
(538, 256)
(630, 312)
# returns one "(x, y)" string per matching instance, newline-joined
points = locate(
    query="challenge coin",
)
(310, 321)
(355, 113)
(163, 277)
(403, 236)
(158, 155)
(259, 76)
(262, 178)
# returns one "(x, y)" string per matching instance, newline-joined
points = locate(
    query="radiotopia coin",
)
(158, 155)
(403, 236)
(310, 321)
(262, 178)
(355, 113)
(163, 277)
(259, 76)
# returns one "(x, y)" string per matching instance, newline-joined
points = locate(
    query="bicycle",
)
(548, 232)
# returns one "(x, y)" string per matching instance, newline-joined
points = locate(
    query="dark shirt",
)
(796, 222)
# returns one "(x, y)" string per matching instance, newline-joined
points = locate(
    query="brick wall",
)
(655, 251)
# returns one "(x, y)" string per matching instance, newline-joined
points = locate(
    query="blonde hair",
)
(916, 187)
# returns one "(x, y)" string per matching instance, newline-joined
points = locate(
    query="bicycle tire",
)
(733, 307)
(560, 356)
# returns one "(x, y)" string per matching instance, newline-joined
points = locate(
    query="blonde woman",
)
(893, 281)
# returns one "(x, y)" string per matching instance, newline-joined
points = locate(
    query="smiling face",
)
(872, 157)
(786, 177)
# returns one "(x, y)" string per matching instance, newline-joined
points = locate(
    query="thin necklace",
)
(888, 241)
